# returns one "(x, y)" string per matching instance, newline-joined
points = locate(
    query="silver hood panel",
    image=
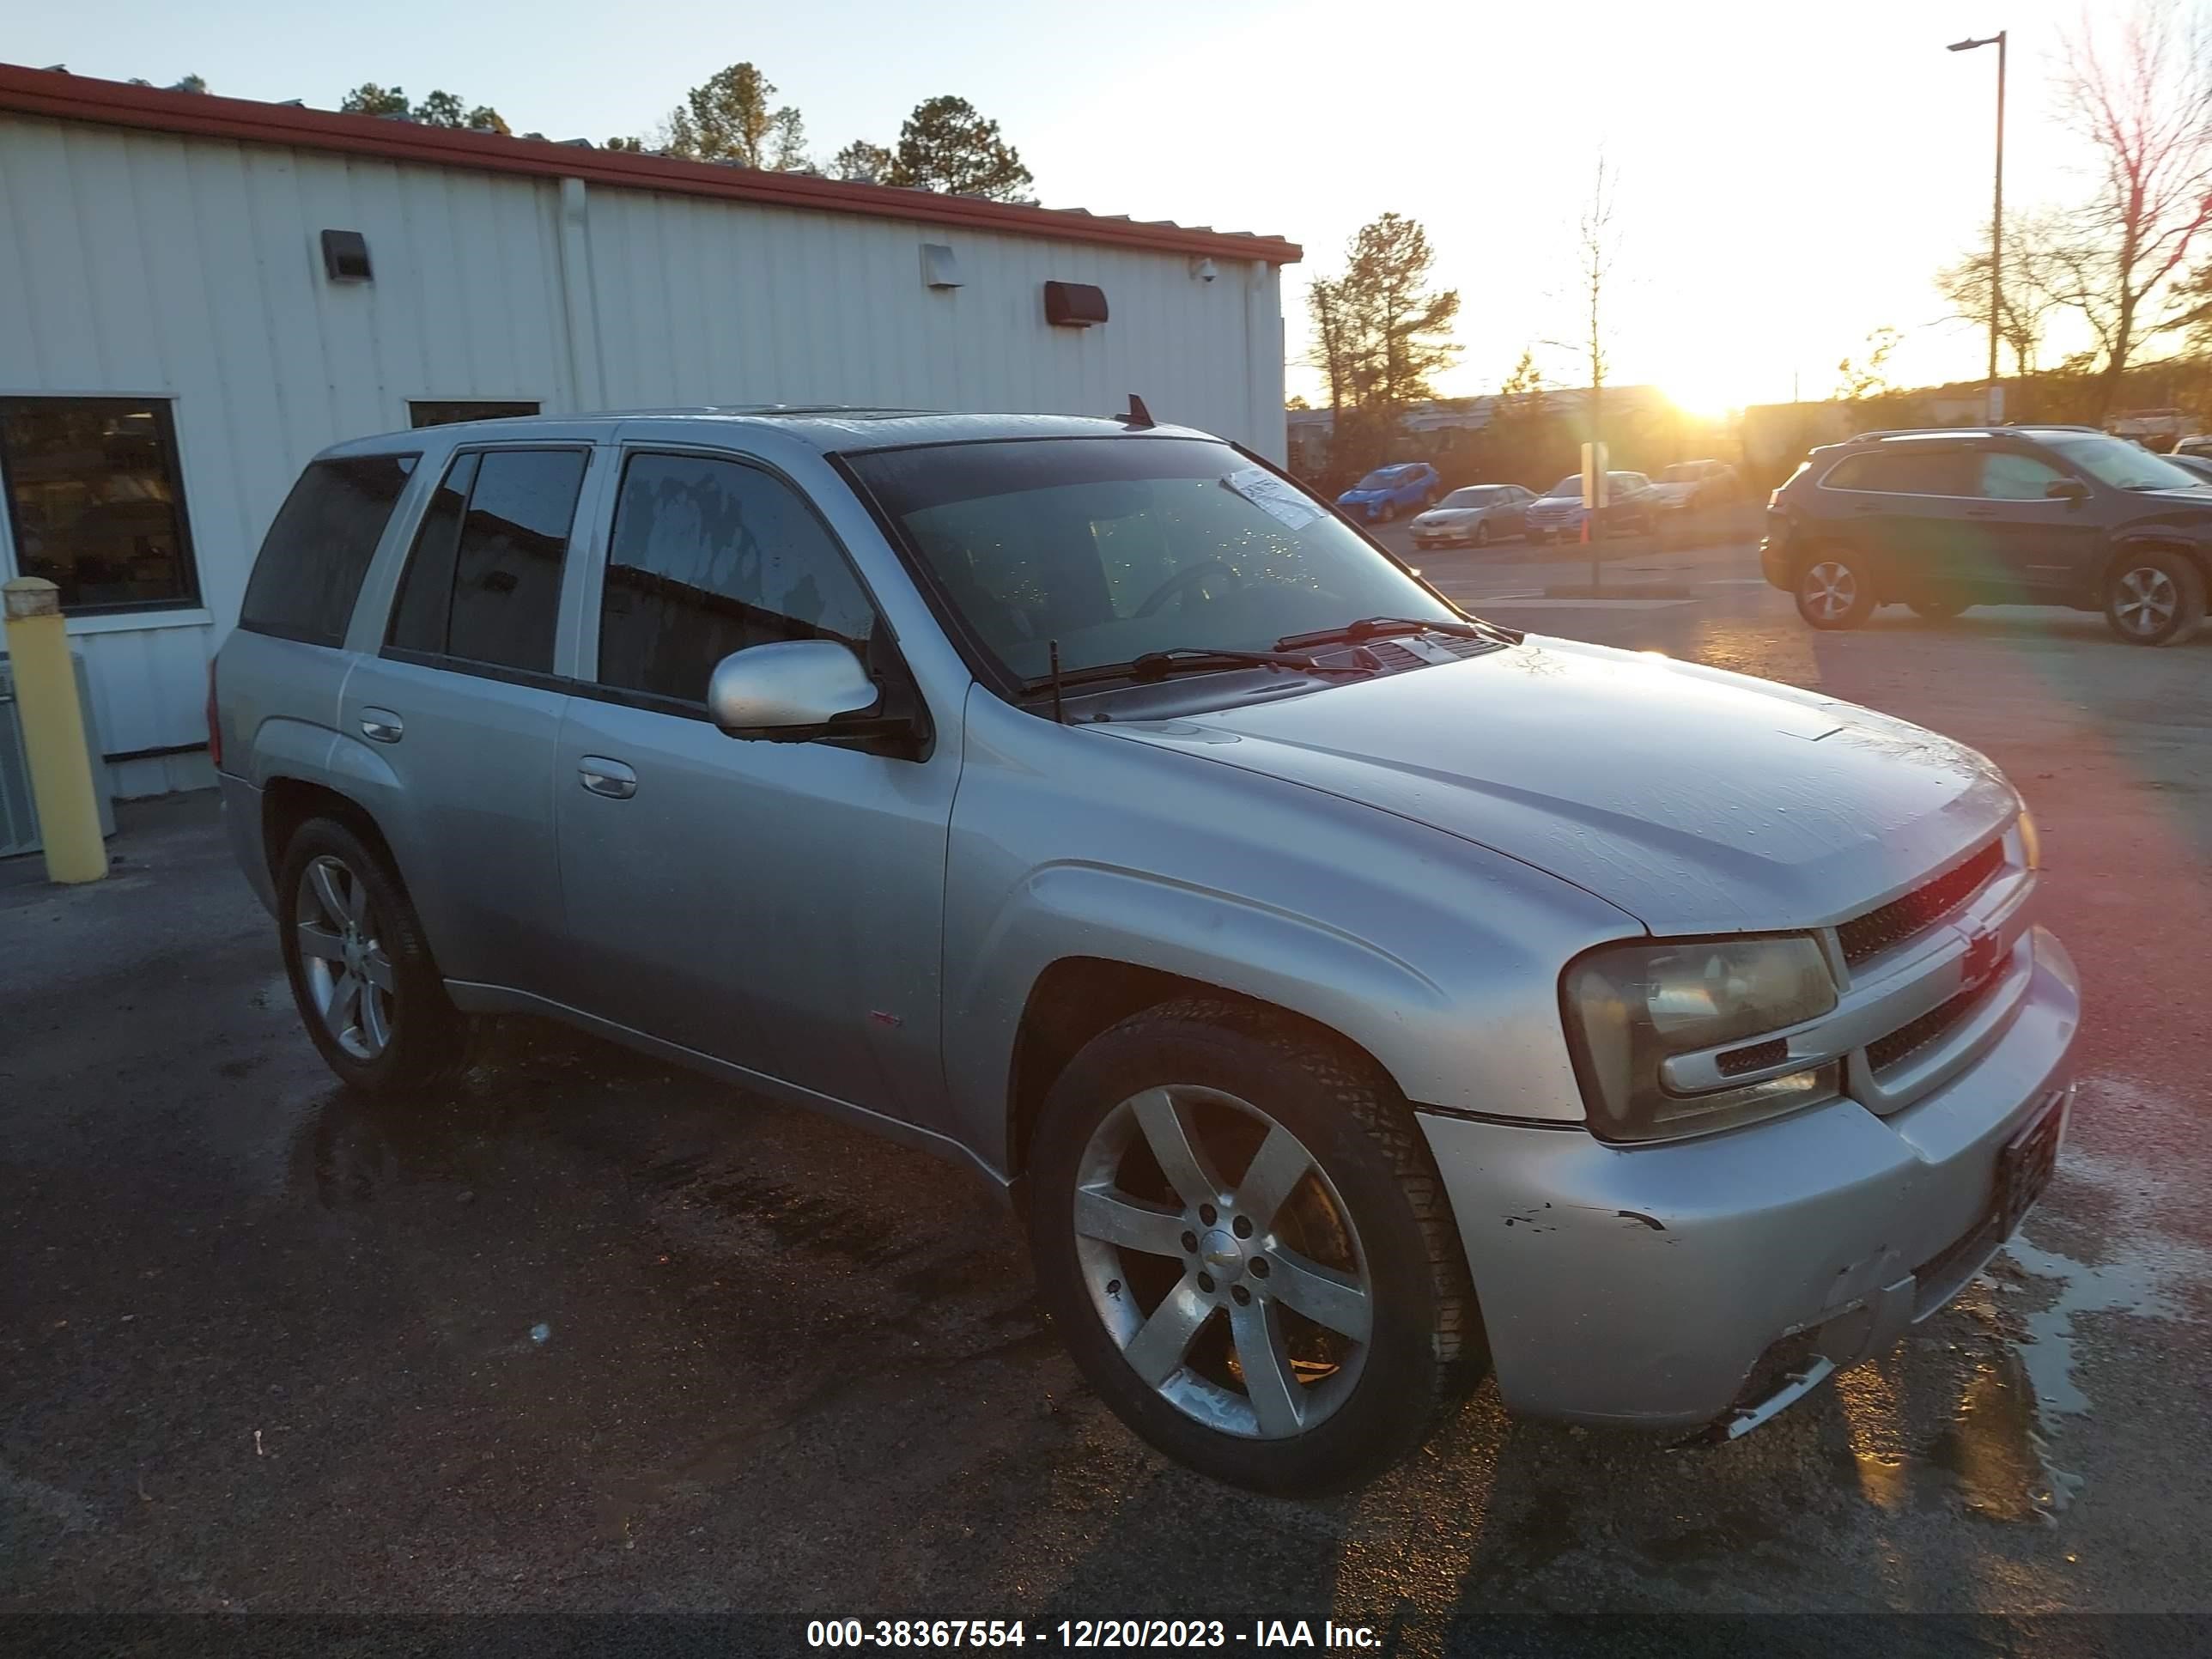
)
(1695, 799)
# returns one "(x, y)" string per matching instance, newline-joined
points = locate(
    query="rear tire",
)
(1834, 590)
(2155, 598)
(1310, 1231)
(361, 971)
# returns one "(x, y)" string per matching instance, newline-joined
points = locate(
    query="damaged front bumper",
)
(1709, 1283)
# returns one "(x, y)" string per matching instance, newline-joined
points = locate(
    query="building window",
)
(96, 500)
(447, 414)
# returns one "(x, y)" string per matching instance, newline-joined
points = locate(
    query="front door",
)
(776, 905)
(459, 712)
(2029, 548)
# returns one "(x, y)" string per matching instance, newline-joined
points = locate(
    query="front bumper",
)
(1644, 1285)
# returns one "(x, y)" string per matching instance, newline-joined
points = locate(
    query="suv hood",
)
(1695, 799)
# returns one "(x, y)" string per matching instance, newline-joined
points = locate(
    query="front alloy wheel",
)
(1241, 1234)
(1244, 1303)
(2155, 598)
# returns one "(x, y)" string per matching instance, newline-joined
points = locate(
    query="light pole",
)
(1997, 225)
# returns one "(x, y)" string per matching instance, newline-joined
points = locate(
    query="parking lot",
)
(590, 1334)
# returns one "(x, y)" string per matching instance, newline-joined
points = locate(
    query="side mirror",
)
(2067, 490)
(790, 690)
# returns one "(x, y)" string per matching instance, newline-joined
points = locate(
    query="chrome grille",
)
(1902, 919)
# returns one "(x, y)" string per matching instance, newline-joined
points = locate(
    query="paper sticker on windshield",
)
(1272, 498)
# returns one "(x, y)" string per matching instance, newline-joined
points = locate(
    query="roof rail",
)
(1922, 432)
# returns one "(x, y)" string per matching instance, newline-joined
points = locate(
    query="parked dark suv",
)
(2017, 515)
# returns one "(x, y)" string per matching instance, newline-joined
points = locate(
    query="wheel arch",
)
(1079, 998)
(2151, 541)
(288, 802)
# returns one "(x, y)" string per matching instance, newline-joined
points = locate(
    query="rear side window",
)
(1914, 472)
(483, 581)
(313, 559)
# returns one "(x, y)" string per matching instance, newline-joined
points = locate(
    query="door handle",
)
(1982, 512)
(606, 777)
(382, 725)
(1870, 507)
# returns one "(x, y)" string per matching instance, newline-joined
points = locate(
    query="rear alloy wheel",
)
(1241, 1235)
(2155, 598)
(361, 975)
(1834, 592)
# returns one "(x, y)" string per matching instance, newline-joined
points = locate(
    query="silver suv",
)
(1350, 994)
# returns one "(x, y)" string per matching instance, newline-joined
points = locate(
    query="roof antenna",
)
(1138, 416)
(1059, 715)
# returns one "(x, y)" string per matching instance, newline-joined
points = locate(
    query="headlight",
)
(1629, 1007)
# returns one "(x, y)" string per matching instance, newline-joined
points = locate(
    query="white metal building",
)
(198, 293)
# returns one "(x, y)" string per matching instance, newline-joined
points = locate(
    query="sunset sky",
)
(1790, 176)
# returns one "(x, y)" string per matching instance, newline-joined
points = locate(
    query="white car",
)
(1693, 485)
(1474, 516)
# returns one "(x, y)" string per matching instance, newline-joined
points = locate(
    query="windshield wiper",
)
(1371, 628)
(1189, 658)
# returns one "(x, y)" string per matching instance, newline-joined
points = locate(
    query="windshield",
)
(1115, 547)
(1474, 497)
(2123, 465)
(1680, 472)
(1383, 477)
(1569, 485)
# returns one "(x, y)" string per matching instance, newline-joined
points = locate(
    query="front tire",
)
(1241, 1234)
(1482, 532)
(360, 971)
(1834, 591)
(2155, 598)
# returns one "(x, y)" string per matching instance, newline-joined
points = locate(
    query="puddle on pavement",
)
(2136, 1282)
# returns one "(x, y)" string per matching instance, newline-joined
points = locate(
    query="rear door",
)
(2029, 549)
(453, 720)
(1903, 508)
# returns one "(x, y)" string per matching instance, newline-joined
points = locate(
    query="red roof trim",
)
(113, 103)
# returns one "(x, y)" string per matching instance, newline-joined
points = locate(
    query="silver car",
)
(1348, 994)
(1474, 516)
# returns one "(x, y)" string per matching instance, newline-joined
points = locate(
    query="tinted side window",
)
(1913, 471)
(709, 556)
(425, 587)
(313, 559)
(2014, 477)
(484, 583)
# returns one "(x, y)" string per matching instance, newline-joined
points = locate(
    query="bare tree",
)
(1599, 245)
(2141, 95)
(2027, 298)
(1867, 375)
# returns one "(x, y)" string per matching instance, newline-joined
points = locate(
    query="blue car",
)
(1387, 491)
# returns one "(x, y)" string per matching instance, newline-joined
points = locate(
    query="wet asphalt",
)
(586, 1335)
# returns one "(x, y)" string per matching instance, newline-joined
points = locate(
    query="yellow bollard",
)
(53, 732)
